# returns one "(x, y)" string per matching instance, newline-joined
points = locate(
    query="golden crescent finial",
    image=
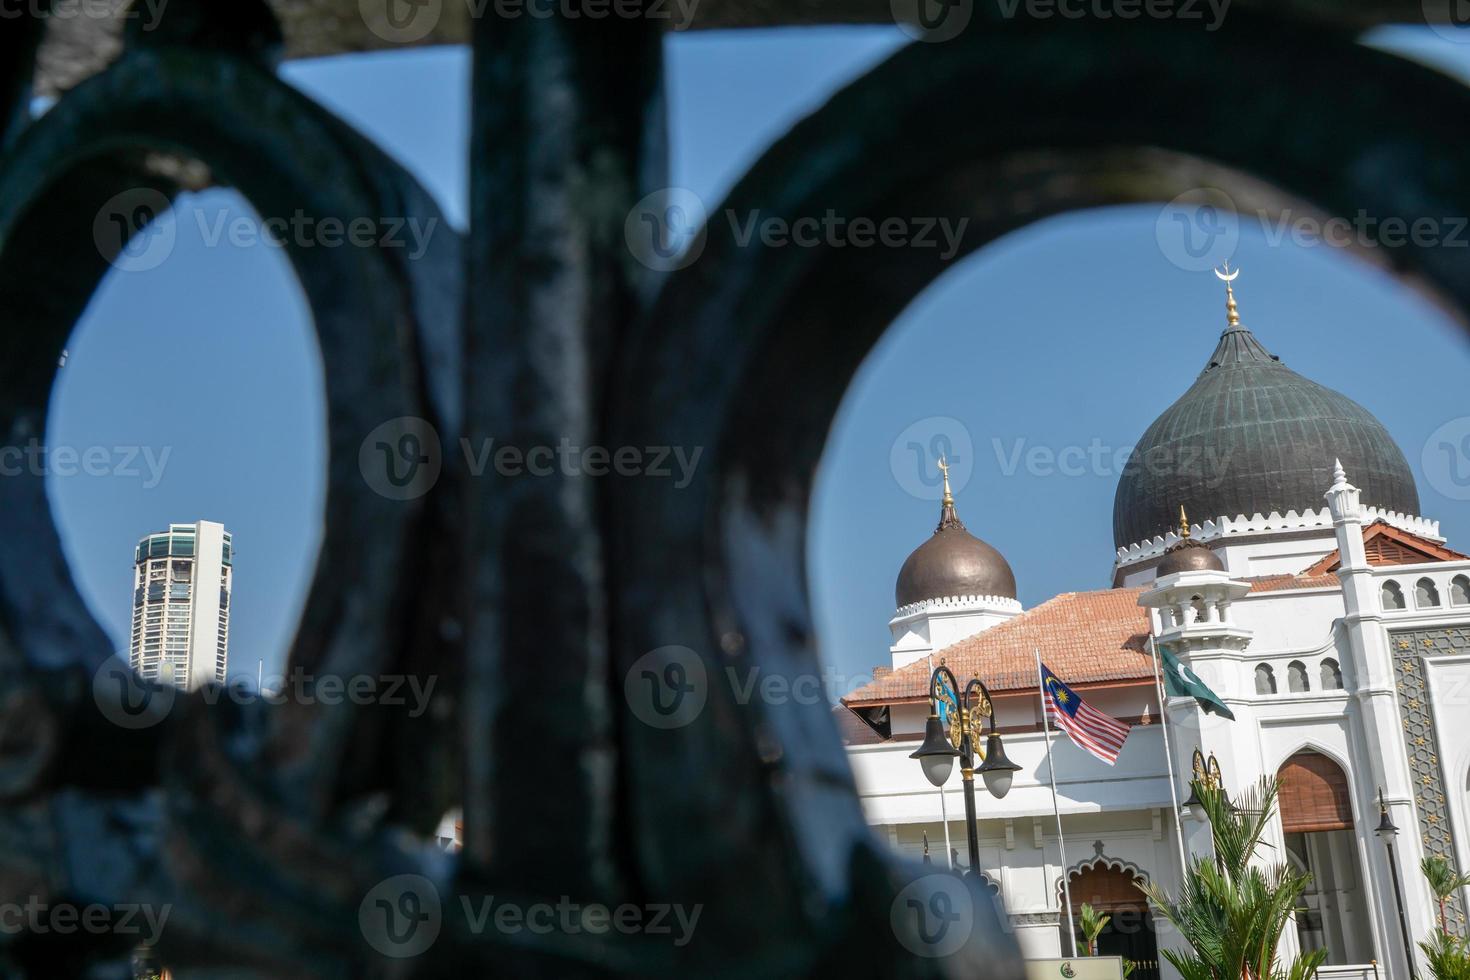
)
(1225, 275)
(944, 469)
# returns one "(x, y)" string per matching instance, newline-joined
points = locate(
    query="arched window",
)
(1391, 595)
(1265, 679)
(1426, 596)
(1331, 675)
(1296, 677)
(1317, 823)
(1200, 615)
(1460, 591)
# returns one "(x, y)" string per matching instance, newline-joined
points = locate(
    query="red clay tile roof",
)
(1279, 583)
(1085, 637)
(1388, 545)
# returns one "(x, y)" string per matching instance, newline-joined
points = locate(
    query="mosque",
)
(1305, 589)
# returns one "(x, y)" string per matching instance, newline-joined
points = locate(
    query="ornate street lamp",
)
(953, 729)
(1387, 832)
(1206, 774)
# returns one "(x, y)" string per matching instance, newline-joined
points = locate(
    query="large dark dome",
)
(953, 562)
(1252, 436)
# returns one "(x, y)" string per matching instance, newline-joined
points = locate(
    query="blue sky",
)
(1074, 332)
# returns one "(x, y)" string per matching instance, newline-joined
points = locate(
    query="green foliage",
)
(1092, 923)
(1448, 958)
(1444, 881)
(1232, 912)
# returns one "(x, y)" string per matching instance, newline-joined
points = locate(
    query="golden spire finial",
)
(1183, 523)
(1232, 315)
(944, 468)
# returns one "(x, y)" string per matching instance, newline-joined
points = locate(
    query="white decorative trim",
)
(1107, 864)
(959, 603)
(1224, 527)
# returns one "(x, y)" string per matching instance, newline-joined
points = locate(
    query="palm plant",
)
(1444, 881)
(1447, 957)
(1092, 922)
(1230, 910)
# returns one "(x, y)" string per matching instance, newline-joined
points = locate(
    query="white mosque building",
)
(1310, 594)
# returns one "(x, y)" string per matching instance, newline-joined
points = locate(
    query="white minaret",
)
(181, 605)
(1371, 678)
(1192, 599)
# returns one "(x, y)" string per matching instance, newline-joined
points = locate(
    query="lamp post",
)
(963, 712)
(1387, 832)
(1206, 774)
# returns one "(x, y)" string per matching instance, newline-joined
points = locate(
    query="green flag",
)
(1181, 682)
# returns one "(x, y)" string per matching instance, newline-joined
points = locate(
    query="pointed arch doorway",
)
(1317, 821)
(1113, 891)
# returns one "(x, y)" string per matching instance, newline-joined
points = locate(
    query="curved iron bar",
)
(745, 342)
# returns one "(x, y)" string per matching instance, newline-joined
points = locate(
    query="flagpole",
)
(943, 810)
(1168, 752)
(1055, 807)
(944, 815)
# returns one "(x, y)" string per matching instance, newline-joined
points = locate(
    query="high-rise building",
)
(181, 605)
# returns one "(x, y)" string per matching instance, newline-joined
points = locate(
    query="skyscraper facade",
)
(181, 605)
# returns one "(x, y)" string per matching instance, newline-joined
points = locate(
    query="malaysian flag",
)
(1090, 729)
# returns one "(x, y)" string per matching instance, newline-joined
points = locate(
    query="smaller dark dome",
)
(1189, 556)
(953, 562)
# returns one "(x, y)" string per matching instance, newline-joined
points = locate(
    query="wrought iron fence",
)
(292, 839)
